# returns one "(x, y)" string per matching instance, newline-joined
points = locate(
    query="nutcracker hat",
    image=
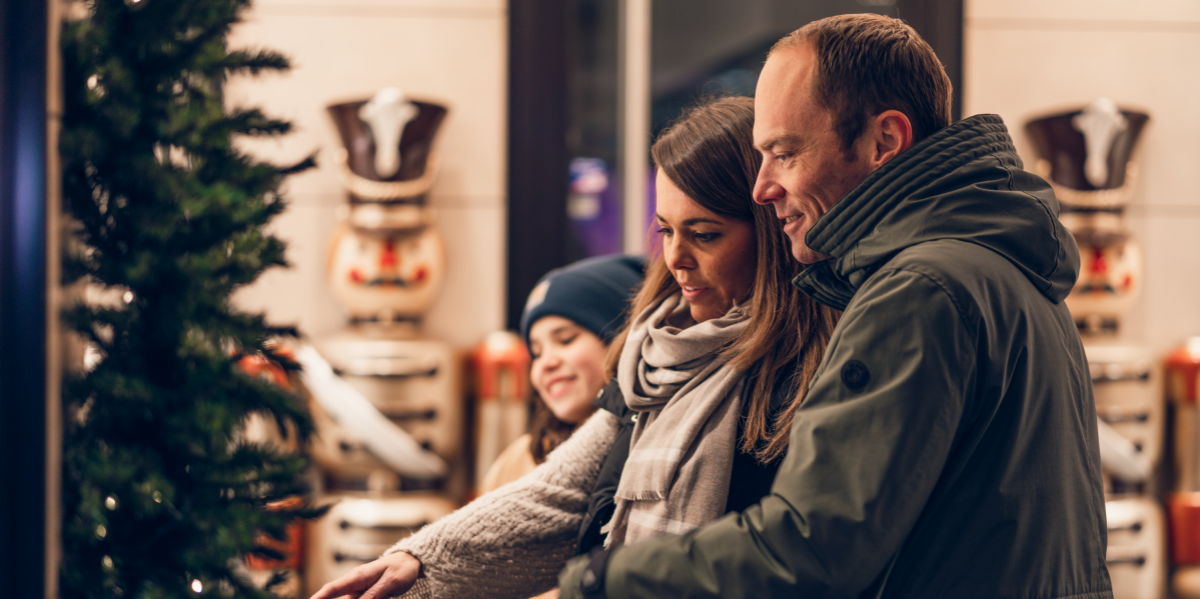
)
(388, 162)
(1087, 153)
(1087, 157)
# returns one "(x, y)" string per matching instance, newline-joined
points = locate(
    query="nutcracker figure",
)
(1086, 156)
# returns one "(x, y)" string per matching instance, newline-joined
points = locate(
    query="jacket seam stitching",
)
(957, 307)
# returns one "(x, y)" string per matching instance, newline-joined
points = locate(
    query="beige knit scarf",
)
(688, 404)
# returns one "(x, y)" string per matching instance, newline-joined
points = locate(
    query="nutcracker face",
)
(1109, 278)
(386, 274)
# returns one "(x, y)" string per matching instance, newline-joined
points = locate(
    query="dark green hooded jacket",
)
(947, 447)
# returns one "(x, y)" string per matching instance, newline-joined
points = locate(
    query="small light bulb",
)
(157, 496)
(101, 532)
(128, 297)
(196, 586)
(107, 563)
(93, 81)
(110, 502)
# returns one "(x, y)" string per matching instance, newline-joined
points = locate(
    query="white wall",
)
(453, 51)
(1027, 58)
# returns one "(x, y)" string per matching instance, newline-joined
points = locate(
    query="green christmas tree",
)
(162, 496)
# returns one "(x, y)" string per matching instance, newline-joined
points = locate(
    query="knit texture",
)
(512, 542)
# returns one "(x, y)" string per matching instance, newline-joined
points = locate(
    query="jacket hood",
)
(964, 182)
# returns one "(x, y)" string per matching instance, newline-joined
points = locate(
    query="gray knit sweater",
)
(512, 542)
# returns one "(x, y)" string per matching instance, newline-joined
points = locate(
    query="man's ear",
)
(892, 134)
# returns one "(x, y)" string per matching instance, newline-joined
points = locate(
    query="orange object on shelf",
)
(292, 548)
(1183, 369)
(501, 366)
(1183, 509)
(259, 365)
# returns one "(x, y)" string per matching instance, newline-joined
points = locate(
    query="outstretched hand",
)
(385, 577)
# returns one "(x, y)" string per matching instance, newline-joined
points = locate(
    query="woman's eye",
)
(707, 236)
(568, 340)
(663, 231)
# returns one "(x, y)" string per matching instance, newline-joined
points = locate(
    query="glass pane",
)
(703, 48)
(706, 47)
(594, 201)
(698, 48)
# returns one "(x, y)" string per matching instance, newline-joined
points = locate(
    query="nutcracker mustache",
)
(388, 280)
(1097, 288)
(382, 281)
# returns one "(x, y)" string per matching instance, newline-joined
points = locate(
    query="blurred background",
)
(550, 110)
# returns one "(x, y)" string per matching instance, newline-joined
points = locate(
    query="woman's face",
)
(710, 256)
(568, 367)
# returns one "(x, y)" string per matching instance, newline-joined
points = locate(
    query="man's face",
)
(804, 170)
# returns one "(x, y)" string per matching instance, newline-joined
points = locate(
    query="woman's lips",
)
(690, 293)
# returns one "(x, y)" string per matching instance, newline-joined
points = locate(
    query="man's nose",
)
(766, 190)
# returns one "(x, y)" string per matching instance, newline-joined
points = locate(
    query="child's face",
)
(568, 367)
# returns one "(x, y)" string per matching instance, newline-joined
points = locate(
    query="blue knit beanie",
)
(593, 293)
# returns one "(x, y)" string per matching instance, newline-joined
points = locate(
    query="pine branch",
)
(253, 62)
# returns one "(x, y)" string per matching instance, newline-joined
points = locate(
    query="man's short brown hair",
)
(868, 63)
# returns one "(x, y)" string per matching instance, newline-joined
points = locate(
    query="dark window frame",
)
(23, 299)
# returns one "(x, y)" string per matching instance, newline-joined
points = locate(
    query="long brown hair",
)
(709, 154)
(546, 431)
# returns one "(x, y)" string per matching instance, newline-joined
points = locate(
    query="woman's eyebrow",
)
(691, 221)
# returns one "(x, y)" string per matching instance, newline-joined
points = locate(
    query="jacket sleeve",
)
(867, 447)
(511, 542)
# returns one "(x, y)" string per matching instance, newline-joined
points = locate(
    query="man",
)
(947, 447)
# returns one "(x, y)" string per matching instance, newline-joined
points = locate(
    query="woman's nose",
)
(676, 254)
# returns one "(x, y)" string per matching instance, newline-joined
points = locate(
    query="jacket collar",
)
(963, 182)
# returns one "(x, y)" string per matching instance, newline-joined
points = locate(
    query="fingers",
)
(385, 588)
(385, 577)
(401, 573)
(353, 583)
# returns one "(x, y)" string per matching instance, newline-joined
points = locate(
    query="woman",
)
(718, 352)
(570, 317)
